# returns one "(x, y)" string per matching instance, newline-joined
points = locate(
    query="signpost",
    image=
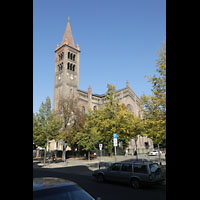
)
(100, 148)
(115, 143)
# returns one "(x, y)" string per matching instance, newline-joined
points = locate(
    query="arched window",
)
(71, 91)
(139, 115)
(94, 108)
(70, 66)
(71, 56)
(68, 54)
(73, 67)
(130, 107)
(83, 109)
(74, 57)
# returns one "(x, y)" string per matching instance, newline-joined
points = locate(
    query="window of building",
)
(71, 90)
(68, 54)
(68, 65)
(83, 109)
(74, 57)
(73, 68)
(130, 107)
(71, 56)
(60, 66)
(95, 108)
(61, 56)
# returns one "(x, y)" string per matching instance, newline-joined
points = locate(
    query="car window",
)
(116, 167)
(126, 167)
(140, 169)
(154, 167)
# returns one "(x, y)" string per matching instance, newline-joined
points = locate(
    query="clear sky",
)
(118, 39)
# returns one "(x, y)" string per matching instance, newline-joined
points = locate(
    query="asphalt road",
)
(107, 191)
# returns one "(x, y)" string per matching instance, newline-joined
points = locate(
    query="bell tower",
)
(66, 80)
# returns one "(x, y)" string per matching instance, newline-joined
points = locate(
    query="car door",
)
(112, 174)
(125, 172)
(141, 171)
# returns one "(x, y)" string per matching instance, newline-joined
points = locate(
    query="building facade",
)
(66, 81)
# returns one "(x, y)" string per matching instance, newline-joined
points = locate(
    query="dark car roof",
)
(136, 162)
(50, 182)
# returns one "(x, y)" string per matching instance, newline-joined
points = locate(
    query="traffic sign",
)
(115, 139)
(100, 146)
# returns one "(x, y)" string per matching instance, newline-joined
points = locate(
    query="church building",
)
(66, 82)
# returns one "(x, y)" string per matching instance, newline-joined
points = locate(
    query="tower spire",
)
(68, 38)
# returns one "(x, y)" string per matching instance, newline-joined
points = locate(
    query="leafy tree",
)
(102, 123)
(155, 105)
(46, 125)
(89, 136)
(73, 120)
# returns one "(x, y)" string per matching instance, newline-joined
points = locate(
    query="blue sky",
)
(118, 39)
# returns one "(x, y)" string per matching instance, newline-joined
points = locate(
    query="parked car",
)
(58, 189)
(155, 153)
(135, 173)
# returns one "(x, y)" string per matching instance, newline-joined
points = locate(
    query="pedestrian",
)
(53, 157)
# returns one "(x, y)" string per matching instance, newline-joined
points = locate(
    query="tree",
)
(102, 123)
(73, 120)
(46, 125)
(155, 105)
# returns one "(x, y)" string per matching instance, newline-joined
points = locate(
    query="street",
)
(107, 190)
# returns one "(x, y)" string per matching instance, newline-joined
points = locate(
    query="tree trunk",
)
(88, 155)
(44, 155)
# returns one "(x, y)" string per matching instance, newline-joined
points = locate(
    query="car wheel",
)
(135, 183)
(100, 178)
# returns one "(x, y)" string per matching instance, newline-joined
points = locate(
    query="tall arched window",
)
(83, 109)
(68, 54)
(139, 114)
(130, 107)
(94, 108)
(73, 68)
(70, 66)
(71, 56)
(74, 57)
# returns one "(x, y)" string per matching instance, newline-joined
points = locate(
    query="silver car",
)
(49, 188)
(135, 173)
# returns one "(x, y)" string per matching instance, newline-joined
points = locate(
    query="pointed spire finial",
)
(127, 84)
(68, 38)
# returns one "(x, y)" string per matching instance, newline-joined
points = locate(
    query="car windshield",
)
(154, 167)
(62, 193)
